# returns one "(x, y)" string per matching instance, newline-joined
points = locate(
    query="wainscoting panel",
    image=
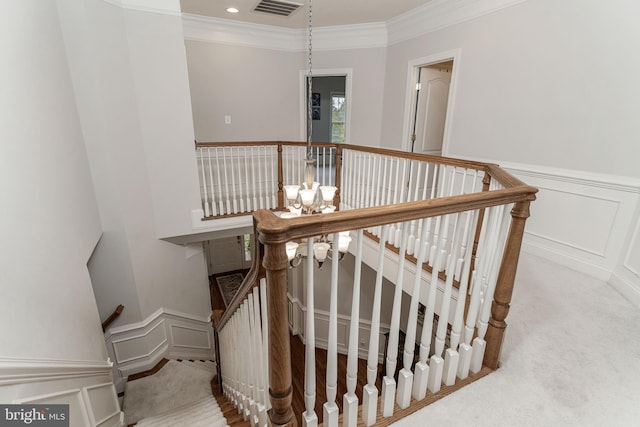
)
(86, 387)
(579, 220)
(166, 333)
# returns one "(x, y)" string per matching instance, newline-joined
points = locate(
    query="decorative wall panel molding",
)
(166, 333)
(86, 386)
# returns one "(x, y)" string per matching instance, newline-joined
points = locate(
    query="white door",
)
(431, 110)
(226, 254)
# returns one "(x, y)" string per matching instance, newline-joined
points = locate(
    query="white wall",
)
(136, 121)
(49, 218)
(537, 93)
(258, 88)
(542, 82)
(52, 347)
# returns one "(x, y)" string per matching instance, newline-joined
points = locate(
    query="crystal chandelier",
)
(310, 197)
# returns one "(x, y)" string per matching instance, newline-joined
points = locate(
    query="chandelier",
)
(310, 197)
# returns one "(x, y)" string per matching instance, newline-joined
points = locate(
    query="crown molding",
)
(433, 16)
(237, 33)
(166, 7)
(439, 14)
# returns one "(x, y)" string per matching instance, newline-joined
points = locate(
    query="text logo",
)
(34, 415)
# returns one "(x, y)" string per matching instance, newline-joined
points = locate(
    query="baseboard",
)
(166, 333)
(627, 284)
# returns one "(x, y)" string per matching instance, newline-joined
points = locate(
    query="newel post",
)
(504, 286)
(280, 390)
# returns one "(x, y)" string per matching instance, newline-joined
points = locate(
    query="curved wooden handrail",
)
(256, 272)
(112, 317)
(275, 230)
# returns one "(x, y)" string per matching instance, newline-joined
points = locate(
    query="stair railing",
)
(454, 251)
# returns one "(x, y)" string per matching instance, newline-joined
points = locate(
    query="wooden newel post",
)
(504, 285)
(280, 389)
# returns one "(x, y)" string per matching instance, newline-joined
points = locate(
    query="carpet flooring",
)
(571, 358)
(175, 385)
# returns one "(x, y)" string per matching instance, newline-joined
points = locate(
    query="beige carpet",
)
(175, 385)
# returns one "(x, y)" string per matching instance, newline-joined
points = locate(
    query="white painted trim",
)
(412, 79)
(635, 237)
(18, 371)
(236, 33)
(609, 263)
(165, 7)
(222, 224)
(434, 15)
(438, 14)
(627, 285)
(146, 348)
(348, 93)
(145, 334)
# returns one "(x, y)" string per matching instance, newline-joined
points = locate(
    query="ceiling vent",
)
(277, 7)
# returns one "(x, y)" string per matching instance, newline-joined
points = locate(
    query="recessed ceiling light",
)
(232, 10)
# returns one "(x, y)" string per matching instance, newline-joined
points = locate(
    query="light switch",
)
(227, 120)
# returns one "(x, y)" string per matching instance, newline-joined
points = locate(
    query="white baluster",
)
(413, 180)
(267, 188)
(389, 382)
(451, 359)
(265, 340)
(252, 409)
(370, 392)
(330, 408)
(233, 174)
(258, 352)
(392, 230)
(205, 199)
(254, 191)
(422, 372)
(350, 400)
(309, 417)
(258, 171)
(214, 211)
(405, 378)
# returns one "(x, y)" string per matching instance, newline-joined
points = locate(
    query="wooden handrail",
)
(112, 317)
(275, 230)
(272, 232)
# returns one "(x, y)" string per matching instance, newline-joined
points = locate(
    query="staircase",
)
(188, 382)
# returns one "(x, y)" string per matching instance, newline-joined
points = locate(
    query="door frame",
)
(347, 73)
(412, 79)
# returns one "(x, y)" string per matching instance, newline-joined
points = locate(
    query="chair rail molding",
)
(165, 333)
(86, 386)
(570, 202)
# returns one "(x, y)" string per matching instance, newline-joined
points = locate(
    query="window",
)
(338, 109)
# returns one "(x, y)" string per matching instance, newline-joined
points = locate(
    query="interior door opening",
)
(430, 106)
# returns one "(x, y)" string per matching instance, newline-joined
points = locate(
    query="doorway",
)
(429, 98)
(330, 105)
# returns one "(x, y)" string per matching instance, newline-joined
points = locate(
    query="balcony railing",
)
(446, 231)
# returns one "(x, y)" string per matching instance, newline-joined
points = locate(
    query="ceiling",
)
(325, 12)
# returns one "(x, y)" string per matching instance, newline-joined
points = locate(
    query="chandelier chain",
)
(309, 84)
